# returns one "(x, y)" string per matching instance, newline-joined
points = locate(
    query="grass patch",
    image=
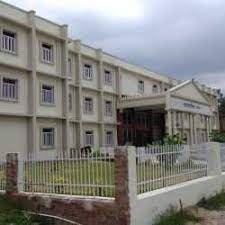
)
(173, 216)
(216, 202)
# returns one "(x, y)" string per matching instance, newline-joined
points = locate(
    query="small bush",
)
(216, 202)
(217, 137)
(175, 217)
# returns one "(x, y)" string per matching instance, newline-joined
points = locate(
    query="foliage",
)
(217, 137)
(173, 216)
(216, 202)
(12, 213)
(96, 153)
(174, 139)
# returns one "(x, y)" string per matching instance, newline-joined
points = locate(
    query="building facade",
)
(59, 94)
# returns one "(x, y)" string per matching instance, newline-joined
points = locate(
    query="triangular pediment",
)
(190, 91)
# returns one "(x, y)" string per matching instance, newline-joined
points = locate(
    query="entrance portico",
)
(182, 109)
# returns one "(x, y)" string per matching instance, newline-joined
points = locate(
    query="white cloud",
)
(214, 80)
(117, 9)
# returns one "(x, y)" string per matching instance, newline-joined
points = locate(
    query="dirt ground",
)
(209, 217)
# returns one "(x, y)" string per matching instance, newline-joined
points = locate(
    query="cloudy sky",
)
(180, 38)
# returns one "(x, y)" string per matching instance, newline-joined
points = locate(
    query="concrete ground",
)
(209, 217)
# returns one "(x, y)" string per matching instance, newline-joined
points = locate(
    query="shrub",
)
(217, 137)
(174, 139)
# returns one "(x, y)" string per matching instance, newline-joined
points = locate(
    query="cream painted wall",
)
(95, 115)
(49, 123)
(107, 88)
(49, 110)
(94, 82)
(13, 134)
(21, 58)
(111, 119)
(95, 129)
(73, 135)
(130, 84)
(51, 68)
(20, 106)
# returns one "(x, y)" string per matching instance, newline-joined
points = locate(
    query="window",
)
(48, 138)
(155, 89)
(9, 89)
(70, 102)
(87, 72)
(141, 86)
(89, 138)
(9, 42)
(108, 78)
(47, 53)
(109, 138)
(108, 108)
(70, 67)
(47, 94)
(88, 105)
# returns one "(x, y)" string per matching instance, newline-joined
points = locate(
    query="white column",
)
(32, 85)
(66, 128)
(213, 159)
(101, 99)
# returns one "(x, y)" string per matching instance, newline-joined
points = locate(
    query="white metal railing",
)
(48, 96)
(85, 173)
(2, 171)
(222, 156)
(162, 166)
(9, 44)
(9, 91)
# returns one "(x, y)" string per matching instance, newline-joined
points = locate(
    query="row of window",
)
(89, 138)
(88, 106)
(9, 91)
(141, 87)
(9, 45)
(88, 74)
(48, 138)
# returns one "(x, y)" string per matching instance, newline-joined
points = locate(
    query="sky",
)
(183, 39)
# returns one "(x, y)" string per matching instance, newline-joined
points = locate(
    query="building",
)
(59, 94)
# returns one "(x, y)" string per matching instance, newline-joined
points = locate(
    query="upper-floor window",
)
(70, 67)
(47, 94)
(87, 72)
(9, 88)
(47, 137)
(9, 42)
(88, 105)
(47, 53)
(155, 89)
(89, 138)
(109, 138)
(108, 77)
(108, 108)
(141, 86)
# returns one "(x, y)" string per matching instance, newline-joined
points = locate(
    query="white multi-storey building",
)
(59, 94)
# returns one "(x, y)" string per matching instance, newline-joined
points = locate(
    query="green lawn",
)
(75, 177)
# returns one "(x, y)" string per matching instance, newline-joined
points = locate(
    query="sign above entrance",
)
(190, 106)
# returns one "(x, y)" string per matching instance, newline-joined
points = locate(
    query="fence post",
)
(126, 184)
(14, 170)
(213, 159)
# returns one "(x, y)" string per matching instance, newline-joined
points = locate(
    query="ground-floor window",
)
(89, 138)
(47, 137)
(109, 138)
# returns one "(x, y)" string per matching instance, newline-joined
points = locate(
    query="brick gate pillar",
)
(125, 184)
